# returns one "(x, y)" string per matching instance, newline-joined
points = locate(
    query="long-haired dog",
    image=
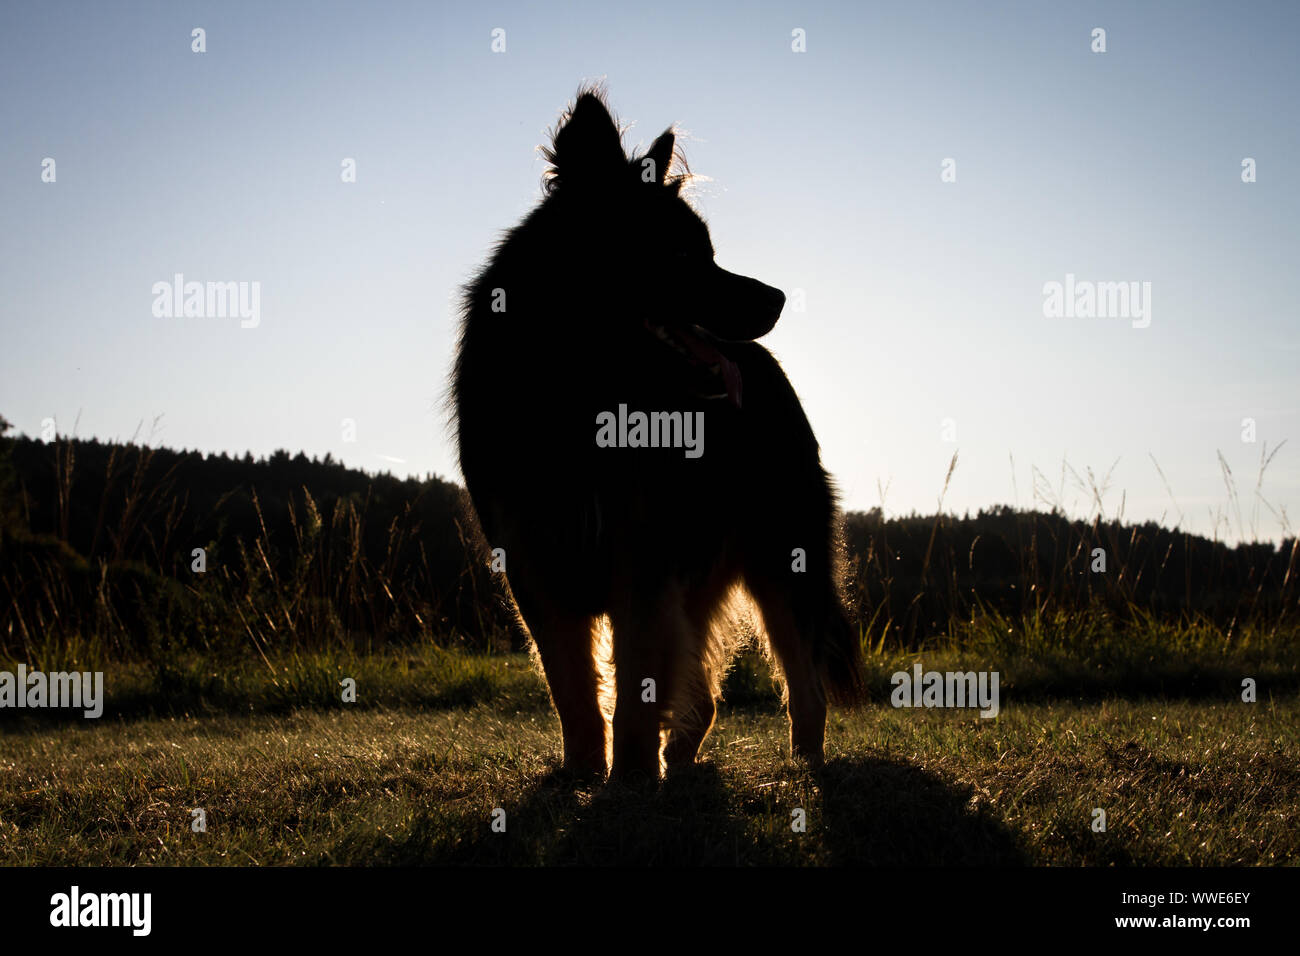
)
(638, 458)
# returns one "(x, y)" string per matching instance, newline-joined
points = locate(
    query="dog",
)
(642, 463)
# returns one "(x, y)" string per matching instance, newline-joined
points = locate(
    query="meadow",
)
(1121, 690)
(438, 740)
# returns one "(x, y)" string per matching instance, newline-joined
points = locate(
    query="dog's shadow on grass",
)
(860, 812)
(878, 812)
(688, 821)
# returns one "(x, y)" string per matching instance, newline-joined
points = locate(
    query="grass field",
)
(224, 602)
(437, 740)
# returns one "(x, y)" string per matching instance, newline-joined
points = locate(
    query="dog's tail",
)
(839, 655)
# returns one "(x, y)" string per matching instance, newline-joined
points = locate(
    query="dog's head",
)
(646, 240)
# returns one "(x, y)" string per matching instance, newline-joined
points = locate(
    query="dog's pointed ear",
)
(587, 147)
(654, 165)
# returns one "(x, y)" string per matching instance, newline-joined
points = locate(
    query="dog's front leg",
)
(648, 626)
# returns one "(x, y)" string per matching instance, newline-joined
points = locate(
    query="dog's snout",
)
(740, 309)
(776, 299)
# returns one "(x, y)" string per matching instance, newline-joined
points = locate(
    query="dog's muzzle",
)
(721, 373)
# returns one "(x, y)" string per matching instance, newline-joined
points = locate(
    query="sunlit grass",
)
(413, 771)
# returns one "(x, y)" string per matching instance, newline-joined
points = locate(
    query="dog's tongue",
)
(731, 376)
(706, 354)
(702, 353)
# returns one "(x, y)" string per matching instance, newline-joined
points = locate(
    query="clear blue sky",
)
(924, 298)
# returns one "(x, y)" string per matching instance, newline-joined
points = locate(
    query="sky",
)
(918, 174)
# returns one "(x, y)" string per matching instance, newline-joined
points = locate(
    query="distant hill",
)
(97, 544)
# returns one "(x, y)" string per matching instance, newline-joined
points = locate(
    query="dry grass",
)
(1208, 782)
